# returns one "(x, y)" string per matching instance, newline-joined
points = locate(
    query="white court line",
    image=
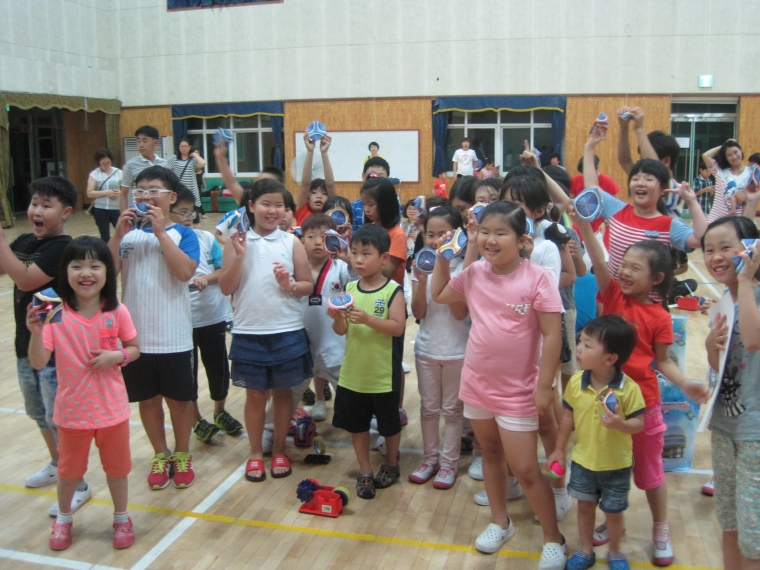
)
(187, 522)
(50, 561)
(704, 279)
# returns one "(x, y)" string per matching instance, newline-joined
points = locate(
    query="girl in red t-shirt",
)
(646, 268)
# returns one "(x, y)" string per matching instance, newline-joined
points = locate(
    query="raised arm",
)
(594, 250)
(324, 146)
(624, 144)
(220, 153)
(303, 191)
(646, 150)
(709, 156)
(557, 195)
(590, 179)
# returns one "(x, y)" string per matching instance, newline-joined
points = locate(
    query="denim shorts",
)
(38, 388)
(610, 486)
(280, 361)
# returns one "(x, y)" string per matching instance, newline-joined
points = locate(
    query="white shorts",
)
(329, 373)
(509, 423)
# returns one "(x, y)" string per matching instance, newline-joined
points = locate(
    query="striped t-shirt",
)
(185, 171)
(722, 178)
(158, 302)
(132, 168)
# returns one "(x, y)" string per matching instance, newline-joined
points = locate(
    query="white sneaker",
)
(663, 553)
(494, 537)
(482, 499)
(267, 441)
(45, 476)
(562, 505)
(319, 411)
(553, 556)
(514, 491)
(82, 494)
(476, 468)
(406, 367)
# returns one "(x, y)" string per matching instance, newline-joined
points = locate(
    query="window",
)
(249, 153)
(500, 136)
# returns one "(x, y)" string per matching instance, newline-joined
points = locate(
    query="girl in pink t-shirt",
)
(91, 402)
(507, 377)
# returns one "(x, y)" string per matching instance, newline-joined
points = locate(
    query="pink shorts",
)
(509, 423)
(648, 472)
(113, 443)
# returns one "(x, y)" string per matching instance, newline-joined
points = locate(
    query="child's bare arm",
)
(624, 144)
(439, 286)
(566, 422)
(567, 274)
(595, 252)
(303, 191)
(220, 153)
(419, 294)
(324, 146)
(611, 420)
(646, 150)
(394, 325)
(551, 330)
(697, 391)
(26, 277)
(232, 264)
(590, 179)
(39, 356)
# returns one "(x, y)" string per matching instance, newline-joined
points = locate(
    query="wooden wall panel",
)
(132, 118)
(360, 115)
(81, 144)
(581, 112)
(749, 124)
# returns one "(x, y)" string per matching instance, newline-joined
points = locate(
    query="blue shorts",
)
(278, 361)
(38, 387)
(610, 486)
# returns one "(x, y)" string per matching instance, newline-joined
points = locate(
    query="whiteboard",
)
(349, 149)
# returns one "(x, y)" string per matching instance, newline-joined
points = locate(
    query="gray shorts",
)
(38, 387)
(329, 373)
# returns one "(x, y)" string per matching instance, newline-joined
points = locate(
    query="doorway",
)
(699, 126)
(37, 149)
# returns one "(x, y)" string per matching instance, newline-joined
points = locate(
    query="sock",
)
(120, 517)
(660, 532)
(618, 556)
(61, 518)
(560, 494)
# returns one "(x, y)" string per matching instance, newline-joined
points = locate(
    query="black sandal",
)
(387, 476)
(365, 486)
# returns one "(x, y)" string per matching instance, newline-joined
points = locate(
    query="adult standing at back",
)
(103, 185)
(184, 164)
(146, 139)
(726, 163)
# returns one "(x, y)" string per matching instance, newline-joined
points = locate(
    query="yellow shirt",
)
(598, 448)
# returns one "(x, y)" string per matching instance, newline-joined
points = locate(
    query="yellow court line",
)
(322, 532)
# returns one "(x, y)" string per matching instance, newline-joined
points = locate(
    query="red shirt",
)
(302, 213)
(605, 183)
(653, 324)
(441, 188)
(398, 250)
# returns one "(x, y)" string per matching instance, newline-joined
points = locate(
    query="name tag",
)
(315, 300)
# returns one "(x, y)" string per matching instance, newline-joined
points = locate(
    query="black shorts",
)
(169, 375)
(353, 411)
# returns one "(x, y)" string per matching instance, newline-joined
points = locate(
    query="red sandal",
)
(281, 461)
(255, 465)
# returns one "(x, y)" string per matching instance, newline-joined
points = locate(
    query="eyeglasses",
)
(150, 192)
(183, 215)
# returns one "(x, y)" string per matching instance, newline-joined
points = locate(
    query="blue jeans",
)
(38, 388)
(608, 488)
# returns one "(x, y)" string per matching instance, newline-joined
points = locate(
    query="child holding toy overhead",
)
(313, 194)
(370, 376)
(513, 303)
(268, 272)
(602, 449)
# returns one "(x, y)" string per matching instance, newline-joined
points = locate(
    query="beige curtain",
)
(112, 108)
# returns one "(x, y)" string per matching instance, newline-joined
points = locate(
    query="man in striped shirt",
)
(147, 139)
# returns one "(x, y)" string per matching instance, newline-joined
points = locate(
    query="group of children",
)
(494, 331)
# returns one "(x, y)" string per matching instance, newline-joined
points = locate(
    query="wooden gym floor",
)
(223, 521)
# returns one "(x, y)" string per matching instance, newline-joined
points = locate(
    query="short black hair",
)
(744, 227)
(665, 145)
(318, 183)
(148, 131)
(339, 202)
(654, 168)
(754, 158)
(88, 248)
(527, 189)
(55, 187)
(580, 164)
(373, 143)
(383, 192)
(102, 153)
(512, 214)
(318, 221)
(560, 176)
(377, 161)
(267, 186)
(290, 203)
(720, 157)
(373, 235)
(616, 335)
(184, 195)
(164, 175)
(452, 215)
(555, 155)
(660, 261)
(274, 171)
(463, 189)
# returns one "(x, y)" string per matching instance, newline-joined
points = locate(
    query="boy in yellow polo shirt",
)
(603, 450)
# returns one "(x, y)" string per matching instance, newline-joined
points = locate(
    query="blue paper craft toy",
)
(141, 212)
(341, 301)
(419, 203)
(455, 246)
(425, 260)
(223, 136)
(754, 175)
(530, 227)
(316, 131)
(340, 217)
(589, 204)
(297, 232)
(334, 242)
(601, 124)
(48, 306)
(477, 211)
(738, 260)
(625, 116)
(609, 400)
(243, 222)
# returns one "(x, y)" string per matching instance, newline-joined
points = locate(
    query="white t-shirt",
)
(324, 342)
(158, 302)
(261, 305)
(441, 336)
(465, 160)
(105, 181)
(209, 306)
(546, 254)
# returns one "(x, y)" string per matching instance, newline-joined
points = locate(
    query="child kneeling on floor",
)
(91, 325)
(603, 449)
(369, 380)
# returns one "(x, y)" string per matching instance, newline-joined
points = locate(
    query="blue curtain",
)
(277, 151)
(179, 126)
(558, 131)
(516, 103)
(440, 126)
(246, 109)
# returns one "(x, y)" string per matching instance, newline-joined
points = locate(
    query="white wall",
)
(65, 47)
(314, 49)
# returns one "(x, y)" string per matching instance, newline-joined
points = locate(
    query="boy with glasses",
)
(147, 139)
(156, 258)
(211, 311)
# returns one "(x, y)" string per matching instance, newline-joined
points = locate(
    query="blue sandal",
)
(581, 561)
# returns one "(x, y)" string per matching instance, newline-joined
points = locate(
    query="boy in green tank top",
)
(369, 378)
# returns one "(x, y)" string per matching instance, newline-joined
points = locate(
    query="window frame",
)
(232, 151)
